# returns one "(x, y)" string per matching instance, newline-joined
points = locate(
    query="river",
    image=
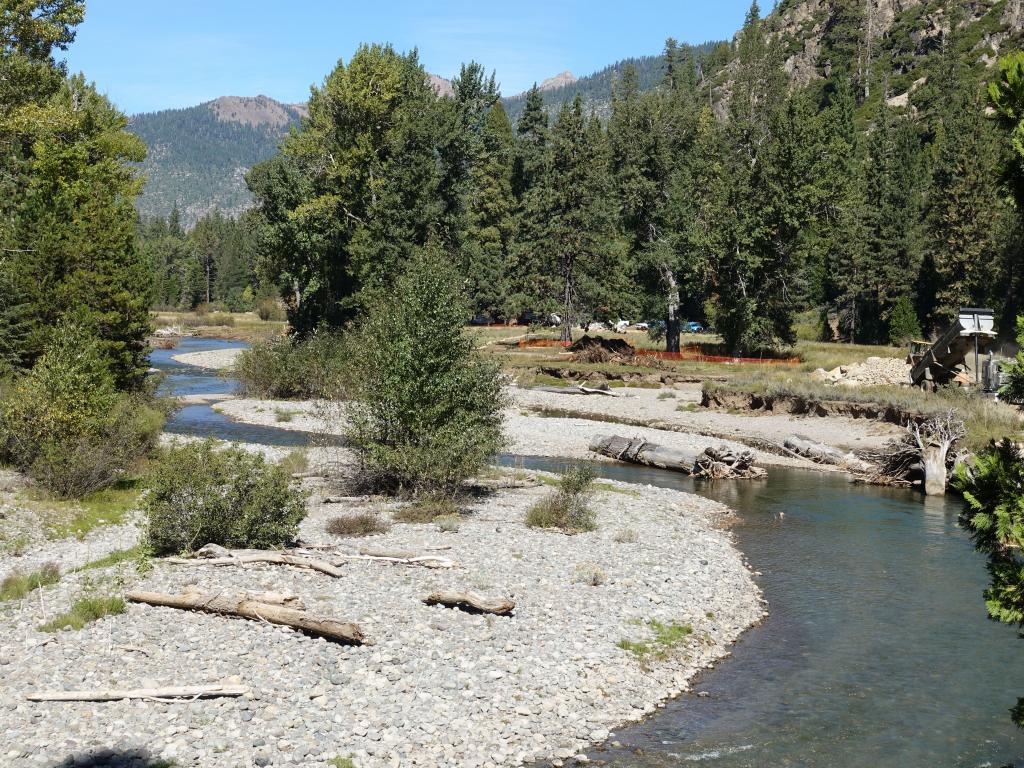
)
(877, 651)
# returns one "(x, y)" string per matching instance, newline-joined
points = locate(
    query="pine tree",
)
(491, 217)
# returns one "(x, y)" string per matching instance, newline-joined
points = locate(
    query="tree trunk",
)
(672, 320)
(226, 605)
(935, 474)
(709, 463)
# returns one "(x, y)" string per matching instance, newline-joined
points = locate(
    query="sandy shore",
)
(438, 687)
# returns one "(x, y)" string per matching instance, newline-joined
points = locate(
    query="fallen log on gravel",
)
(184, 693)
(471, 602)
(711, 463)
(577, 390)
(426, 561)
(245, 607)
(825, 454)
(213, 554)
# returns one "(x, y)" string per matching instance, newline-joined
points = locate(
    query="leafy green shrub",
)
(287, 368)
(566, 507)
(903, 323)
(85, 611)
(66, 425)
(426, 412)
(200, 495)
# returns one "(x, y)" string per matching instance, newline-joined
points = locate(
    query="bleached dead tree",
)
(935, 437)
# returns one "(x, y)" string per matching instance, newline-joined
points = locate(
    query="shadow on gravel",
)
(113, 758)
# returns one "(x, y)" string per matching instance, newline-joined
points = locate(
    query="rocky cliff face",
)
(904, 31)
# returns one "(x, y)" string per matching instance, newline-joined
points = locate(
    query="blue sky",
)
(155, 54)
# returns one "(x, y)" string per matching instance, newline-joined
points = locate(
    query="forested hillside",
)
(198, 156)
(596, 89)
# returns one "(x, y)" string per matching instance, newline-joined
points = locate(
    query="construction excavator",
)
(956, 356)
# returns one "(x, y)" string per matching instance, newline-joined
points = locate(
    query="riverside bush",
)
(287, 368)
(201, 495)
(65, 424)
(1013, 389)
(567, 507)
(426, 409)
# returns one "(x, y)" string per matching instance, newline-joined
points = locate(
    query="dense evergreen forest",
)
(213, 262)
(736, 196)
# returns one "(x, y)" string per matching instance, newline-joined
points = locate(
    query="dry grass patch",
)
(426, 511)
(359, 524)
(589, 573)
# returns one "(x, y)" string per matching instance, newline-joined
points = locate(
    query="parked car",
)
(480, 320)
(691, 326)
(621, 326)
(642, 326)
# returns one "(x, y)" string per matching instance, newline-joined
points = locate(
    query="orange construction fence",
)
(695, 353)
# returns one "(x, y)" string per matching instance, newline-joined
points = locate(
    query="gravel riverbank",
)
(213, 359)
(438, 687)
(528, 433)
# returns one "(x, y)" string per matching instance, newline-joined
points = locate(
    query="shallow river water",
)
(877, 651)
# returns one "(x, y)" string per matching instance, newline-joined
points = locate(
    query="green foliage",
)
(426, 410)
(65, 424)
(214, 262)
(85, 611)
(1013, 390)
(568, 506)
(201, 495)
(290, 368)
(18, 585)
(341, 762)
(993, 489)
(666, 637)
(903, 324)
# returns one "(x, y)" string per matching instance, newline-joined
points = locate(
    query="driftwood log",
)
(825, 454)
(213, 554)
(471, 602)
(247, 608)
(183, 693)
(712, 463)
(577, 390)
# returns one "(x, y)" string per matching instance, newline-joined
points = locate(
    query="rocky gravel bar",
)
(437, 687)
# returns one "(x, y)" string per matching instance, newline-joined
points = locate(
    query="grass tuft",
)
(426, 510)
(359, 524)
(18, 585)
(666, 638)
(85, 611)
(448, 523)
(116, 557)
(341, 762)
(566, 508)
(589, 573)
(626, 536)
